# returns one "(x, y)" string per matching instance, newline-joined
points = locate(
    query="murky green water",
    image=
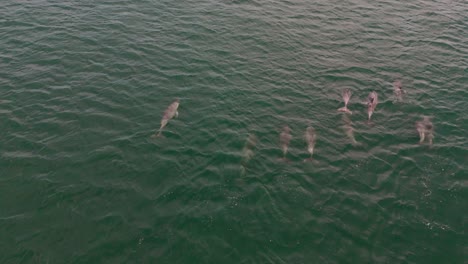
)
(84, 84)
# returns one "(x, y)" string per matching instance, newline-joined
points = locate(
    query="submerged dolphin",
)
(170, 113)
(311, 138)
(285, 137)
(398, 90)
(348, 128)
(424, 128)
(372, 101)
(247, 151)
(346, 96)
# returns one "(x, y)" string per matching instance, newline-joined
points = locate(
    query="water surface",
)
(84, 84)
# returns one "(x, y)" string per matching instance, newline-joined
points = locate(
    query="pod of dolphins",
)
(424, 127)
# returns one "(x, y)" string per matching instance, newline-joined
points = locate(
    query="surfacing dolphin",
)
(170, 113)
(311, 138)
(346, 96)
(372, 101)
(424, 128)
(398, 90)
(285, 138)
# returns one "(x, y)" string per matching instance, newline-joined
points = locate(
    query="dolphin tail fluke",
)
(242, 170)
(345, 110)
(421, 139)
(356, 143)
(283, 159)
(285, 150)
(157, 135)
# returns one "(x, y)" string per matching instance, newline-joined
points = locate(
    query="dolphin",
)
(170, 113)
(346, 96)
(285, 137)
(372, 101)
(348, 128)
(424, 128)
(247, 152)
(311, 138)
(398, 90)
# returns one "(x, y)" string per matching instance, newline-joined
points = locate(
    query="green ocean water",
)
(84, 85)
